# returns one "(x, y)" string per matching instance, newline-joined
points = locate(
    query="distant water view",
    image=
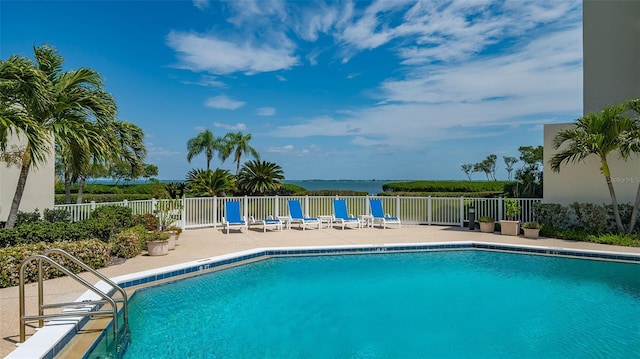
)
(372, 187)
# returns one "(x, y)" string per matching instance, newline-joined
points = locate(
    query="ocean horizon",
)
(372, 186)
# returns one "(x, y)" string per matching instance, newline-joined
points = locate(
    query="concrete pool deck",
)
(209, 242)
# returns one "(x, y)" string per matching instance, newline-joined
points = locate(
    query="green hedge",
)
(444, 194)
(92, 252)
(86, 198)
(445, 186)
(142, 188)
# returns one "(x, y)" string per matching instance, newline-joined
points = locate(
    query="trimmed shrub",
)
(27, 217)
(128, 244)
(445, 186)
(57, 215)
(147, 220)
(589, 216)
(121, 217)
(551, 215)
(109, 197)
(92, 252)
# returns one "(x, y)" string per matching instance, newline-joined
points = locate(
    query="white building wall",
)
(39, 189)
(583, 181)
(611, 74)
(611, 52)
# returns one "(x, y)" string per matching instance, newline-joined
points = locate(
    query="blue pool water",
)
(455, 304)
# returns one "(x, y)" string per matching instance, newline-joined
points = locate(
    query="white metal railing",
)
(208, 211)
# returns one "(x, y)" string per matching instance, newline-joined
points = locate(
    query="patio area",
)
(208, 242)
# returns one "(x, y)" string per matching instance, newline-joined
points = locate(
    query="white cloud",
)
(266, 111)
(540, 81)
(199, 128)
(201, 4)
(224, 102)
(221, 55)
(236, 127)
(281, 78)
(283, 149)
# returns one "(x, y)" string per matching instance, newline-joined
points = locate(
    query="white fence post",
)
(429, 211)
(500, 205)
(183, 214)
(398, 206)
(276, 207)
(215, 211)
(461, 211)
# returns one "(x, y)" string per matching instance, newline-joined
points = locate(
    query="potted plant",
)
(168, 213)
(510, 226)
(487, 224)
(531, 229)
(157, 243)
(174, 233)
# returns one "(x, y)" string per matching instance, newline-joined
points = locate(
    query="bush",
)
(107, 197)
(591, 217)
(99, 228)
(551, 215)
(128, 244)
(46, 232)
(27, 217)
(122, 217)
(57, 215)
(147, 220)
(92, 252)
(445, 186)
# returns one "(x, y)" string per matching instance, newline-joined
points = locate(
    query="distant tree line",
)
(528, 178)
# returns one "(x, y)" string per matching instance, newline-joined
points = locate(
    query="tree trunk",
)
(634, 214)
(83, 180)
(614, 202)
(67, 185)
(17, 197)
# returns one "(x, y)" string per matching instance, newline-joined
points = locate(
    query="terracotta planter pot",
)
(158, 248)
(487, 227)
(510, 228)
(532, 233)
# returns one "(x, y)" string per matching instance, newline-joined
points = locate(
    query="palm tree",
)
(596, 134)
(59, 105)
(125, 149)
(257, 177)
(238, 144)
(207, 143)
(208, 183)
(631, 144)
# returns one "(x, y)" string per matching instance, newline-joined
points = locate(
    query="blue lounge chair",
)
(341, 216)
(295, 211)
(267, 222)
(379, 216)
(233, 217)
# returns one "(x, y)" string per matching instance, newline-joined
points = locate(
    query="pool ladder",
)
(120, 333)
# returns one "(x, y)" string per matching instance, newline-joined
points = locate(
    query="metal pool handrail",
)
(106, 298)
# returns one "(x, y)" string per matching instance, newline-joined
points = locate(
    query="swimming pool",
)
(436, 304)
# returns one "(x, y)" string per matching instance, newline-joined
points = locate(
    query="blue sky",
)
(329, 90)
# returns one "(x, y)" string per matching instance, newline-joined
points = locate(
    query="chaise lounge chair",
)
(233, 217)
(295, 211)
(379, 216)
(341, 216)
(267, 222)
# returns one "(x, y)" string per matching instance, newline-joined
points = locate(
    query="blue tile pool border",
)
(207, 265)
(267, 253)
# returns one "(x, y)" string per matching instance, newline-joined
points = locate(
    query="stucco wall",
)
(39, 190)
(611, 71)
(611, 52)
(583, 181)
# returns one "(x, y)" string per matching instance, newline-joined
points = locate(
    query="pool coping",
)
(48, 341)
